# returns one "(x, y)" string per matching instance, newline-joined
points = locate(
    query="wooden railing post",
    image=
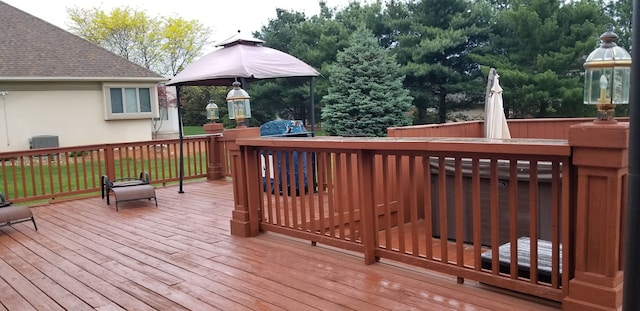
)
(600, 154)
(109, 162)
(241, 223)
(367, 208)
(214, 161)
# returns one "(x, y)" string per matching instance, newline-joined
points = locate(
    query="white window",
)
(131, 102)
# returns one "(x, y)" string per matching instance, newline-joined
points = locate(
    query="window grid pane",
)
(116, 100)
(145, 99)
(131, 100)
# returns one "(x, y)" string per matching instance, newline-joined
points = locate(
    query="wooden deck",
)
(180, 256)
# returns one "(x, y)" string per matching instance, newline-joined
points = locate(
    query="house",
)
(59, 89)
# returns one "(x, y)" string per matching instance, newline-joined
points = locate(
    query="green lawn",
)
(61, 175)
(193, 130)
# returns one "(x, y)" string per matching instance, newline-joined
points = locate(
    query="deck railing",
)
(540, 216)
(452, 206)
(60, 173)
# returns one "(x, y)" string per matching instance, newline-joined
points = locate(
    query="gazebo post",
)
(181, 137)
(313, 107)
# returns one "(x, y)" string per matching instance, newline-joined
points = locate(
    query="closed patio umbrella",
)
(495, 121)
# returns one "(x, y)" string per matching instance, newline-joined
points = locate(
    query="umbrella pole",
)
(631, 285)
(313, 108)
(180, 135)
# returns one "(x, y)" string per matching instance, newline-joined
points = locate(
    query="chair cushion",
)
(14, 212)
(134, 192)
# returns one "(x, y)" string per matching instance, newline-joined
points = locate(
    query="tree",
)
(433, 40)
(164, 45)
(538, 47)
(182, 41)
(620, 12)
(284, 98)
(315, 41)
(194, 101)
(366, 95)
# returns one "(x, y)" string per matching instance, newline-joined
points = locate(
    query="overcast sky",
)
(224, 17)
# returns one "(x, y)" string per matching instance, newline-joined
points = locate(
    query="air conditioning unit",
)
(43, 141)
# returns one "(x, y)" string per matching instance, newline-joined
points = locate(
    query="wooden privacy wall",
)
(493, 212)
(557, 128)
(457, 129)
(543, 128)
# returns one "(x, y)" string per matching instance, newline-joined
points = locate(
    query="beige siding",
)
(74, 114)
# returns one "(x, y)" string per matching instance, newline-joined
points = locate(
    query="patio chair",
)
(107, 184)
(13, 214)
(128, 189)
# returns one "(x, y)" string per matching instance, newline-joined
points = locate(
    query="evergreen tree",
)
(620, 12)
(194, 100)
(315, 41)
(366, 95)
(432, 40)
(538, 47)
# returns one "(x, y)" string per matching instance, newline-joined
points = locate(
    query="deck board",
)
(180, 256)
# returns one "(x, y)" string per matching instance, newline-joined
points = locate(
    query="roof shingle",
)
(33, 48)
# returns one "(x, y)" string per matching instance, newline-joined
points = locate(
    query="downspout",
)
(4, 107)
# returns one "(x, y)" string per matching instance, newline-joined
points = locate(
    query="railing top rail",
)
(558, 147)
(570, 120)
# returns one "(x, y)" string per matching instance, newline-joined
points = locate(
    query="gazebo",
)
(245, 59)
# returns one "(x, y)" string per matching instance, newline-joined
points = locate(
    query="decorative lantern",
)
(213, 113)
(607, 77)
(238, 104)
